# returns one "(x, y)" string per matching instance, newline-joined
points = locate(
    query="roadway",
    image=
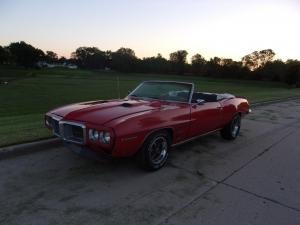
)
(252, 180)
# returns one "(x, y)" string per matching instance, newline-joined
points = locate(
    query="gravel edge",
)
(26, 148)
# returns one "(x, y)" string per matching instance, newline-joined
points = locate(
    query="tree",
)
(25, 54)
(124, 60)
(257, 59)
(156, 64)
(229, 68)
(273, 71)
(89, 58)
(198, 64)
(292, 76)
(212, 67)
(108, 57)
(178, 60)
(226, 62)
(4, 55)
(51, 57)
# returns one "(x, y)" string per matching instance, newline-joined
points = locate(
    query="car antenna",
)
(118, 86)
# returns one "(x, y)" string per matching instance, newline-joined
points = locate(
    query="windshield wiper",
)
(152, 97)
(145, 97)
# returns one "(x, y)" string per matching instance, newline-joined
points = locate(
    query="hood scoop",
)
(126, 104)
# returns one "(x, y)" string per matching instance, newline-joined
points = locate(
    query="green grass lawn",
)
(31, 93)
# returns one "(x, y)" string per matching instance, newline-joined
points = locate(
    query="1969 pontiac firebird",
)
(148, 122)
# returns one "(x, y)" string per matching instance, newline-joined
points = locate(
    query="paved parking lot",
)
(253, 180)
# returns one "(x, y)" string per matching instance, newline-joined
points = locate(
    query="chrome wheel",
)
(158, 150)
(155, 151)
(236, 125)
(232, 129)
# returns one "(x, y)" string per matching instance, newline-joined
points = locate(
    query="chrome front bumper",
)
(86, 152)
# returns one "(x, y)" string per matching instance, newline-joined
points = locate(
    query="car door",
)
(205, 117)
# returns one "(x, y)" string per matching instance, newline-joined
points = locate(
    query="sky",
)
(229, 29)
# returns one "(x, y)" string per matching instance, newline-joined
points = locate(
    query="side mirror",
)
(200, 101)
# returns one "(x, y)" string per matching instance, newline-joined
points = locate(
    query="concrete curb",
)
(256, 104)
(26, 148)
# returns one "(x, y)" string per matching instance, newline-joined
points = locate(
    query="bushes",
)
(258, 65)
(292, 76)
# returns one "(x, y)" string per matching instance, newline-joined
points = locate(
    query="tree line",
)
(258, 65)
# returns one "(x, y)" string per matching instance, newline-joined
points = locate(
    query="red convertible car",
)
(148, 122)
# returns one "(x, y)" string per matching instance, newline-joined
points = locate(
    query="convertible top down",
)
(148, 122)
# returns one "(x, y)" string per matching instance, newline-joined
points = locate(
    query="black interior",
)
(208, 97)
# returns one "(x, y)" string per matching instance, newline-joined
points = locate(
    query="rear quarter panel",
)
(230, 107)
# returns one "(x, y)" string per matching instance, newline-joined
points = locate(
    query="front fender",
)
(132, 131)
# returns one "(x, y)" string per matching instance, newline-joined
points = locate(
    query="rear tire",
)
(155, 151)
(232, 130)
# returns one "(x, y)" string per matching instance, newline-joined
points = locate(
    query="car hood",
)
(101, 112)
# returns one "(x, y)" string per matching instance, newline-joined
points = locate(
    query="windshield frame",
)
(159, 81)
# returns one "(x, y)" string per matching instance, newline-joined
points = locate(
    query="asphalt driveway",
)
(253, 180)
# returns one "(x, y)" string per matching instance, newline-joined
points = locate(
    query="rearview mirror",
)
(200, 101)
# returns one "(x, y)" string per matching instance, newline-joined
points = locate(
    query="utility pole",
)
(118, 86)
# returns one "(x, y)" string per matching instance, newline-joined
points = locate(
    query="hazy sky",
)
(230, 28)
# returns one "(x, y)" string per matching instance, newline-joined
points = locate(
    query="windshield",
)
(168, 91)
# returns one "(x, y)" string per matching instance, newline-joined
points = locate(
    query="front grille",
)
(53, 122)
(55, 126)
(72, 132)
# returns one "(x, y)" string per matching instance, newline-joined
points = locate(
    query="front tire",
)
(155, 151)
(232, 130)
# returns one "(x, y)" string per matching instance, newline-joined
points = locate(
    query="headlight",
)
(48, 121)
(93, 135)
(105, 137)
